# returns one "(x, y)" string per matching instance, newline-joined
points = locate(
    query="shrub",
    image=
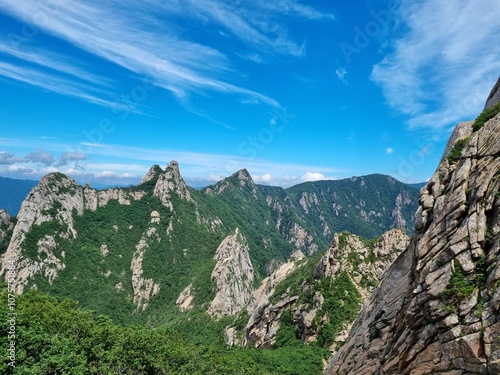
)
(486, 115)
(456, 151)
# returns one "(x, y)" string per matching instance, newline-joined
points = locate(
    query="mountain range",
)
(165, 269)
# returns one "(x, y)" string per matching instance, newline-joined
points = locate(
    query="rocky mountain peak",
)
(154, 172)
(437, 309)
(240, 179)
(171, 181)
(244, 177)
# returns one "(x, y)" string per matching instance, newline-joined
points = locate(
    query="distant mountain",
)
(133, 252)
(13, 192)
(418, 185)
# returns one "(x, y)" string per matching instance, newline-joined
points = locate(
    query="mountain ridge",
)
(133, 240)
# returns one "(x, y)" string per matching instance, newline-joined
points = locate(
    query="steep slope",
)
(149, 252)
(367, 206)
(13, 192)
(6, 228)
(238, 203)
(233, 277)
(437, 309)
(316, 299)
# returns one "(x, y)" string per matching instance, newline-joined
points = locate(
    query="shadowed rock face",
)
(437, 309)
(494, 96)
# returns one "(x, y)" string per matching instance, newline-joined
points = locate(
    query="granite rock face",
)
(6, 224)
(494, 96)
(437, 309)
(233, 277)
(365, 263)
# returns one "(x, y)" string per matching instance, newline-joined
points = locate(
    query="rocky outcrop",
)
(6, 225)
(364, 262)
(185, 300)
(264, 321)
(57, 198)
(494, 96)
(242, 179)
(170, 182)
(233, 277)
(301, 239)
(143, 288)
(437, 309)
(154, 172)
(403, 199)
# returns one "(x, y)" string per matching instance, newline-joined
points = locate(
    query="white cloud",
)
(265, 178)
(389, 150)
(59, 85)
(341, 73)
(105, 174)
(40, 156)
(139, 37)
(71, 156)
(442, 66)
(312, 176)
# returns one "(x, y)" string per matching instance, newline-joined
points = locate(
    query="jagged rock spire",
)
(153, 173)
(171, 181)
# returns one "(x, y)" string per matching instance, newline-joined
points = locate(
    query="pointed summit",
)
(240, 180)
(244, 177)
(154, 172)
(171, 181)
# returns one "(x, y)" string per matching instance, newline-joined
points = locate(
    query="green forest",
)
(56, 336)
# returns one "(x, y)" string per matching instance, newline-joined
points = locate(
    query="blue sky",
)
(291, 90)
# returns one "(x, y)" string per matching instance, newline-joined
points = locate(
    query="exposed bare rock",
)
(437, 309)
(170, 182)
(185, 299)
(494, 96)
(6, 224)
(155, 217)
(403, 199)
(299, 238)
(264, 323)
(268, 285)
(233, 277)
(47, 262)
(347, 253)
(143, 288)
(307, 200)
(154, 172)
(370, 261)
(56, 198)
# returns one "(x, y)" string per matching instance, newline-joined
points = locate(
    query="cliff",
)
(321, 296)
(437, 309)
(233, 277)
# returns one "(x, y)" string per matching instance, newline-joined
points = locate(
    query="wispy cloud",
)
(442, 67)
(52, 61)
(296, 9)
(146, 39)
(60, 85)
